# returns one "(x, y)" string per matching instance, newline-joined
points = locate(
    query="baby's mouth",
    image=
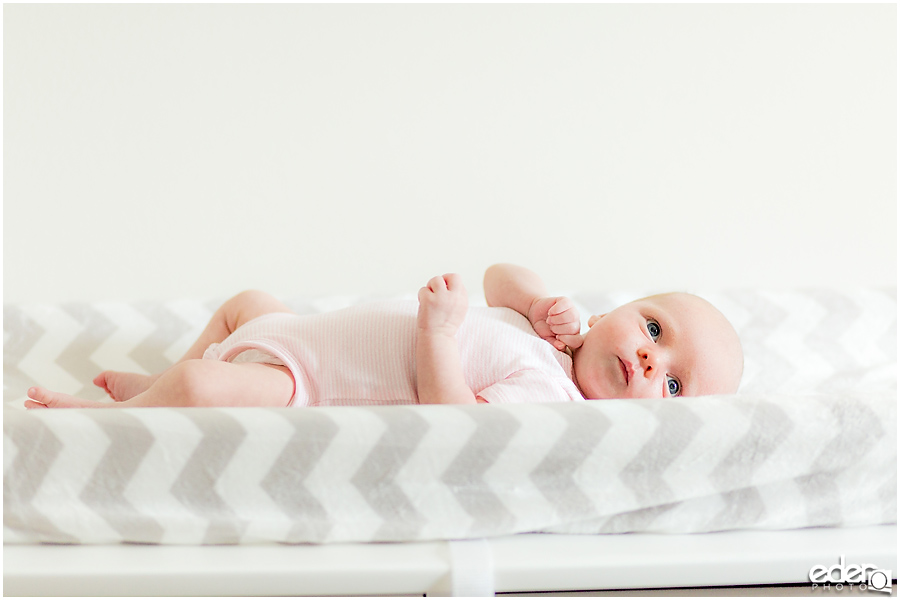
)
(624, 370)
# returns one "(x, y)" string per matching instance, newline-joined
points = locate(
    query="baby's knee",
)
(195, 382)
(245, 302)
(253, 297)
(250, 304)
(243, 307)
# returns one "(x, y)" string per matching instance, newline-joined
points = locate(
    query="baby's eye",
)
(653, 329)
(673, 386)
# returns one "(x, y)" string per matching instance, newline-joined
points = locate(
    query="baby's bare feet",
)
(43, 398)
(124, 386)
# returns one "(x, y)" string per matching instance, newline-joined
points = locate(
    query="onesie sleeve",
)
(528, 386)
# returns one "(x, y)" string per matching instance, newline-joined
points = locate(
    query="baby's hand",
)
(443, 304)
(556, 320)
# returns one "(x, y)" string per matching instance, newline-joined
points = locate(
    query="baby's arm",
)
(443, 304)
(554, 318)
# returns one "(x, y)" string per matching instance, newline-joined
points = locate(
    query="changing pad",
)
(810, 441)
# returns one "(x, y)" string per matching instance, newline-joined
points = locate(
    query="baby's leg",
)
(194, 383)
(123, 386)
(244, 307)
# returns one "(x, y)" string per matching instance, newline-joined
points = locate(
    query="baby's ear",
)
(594, 318)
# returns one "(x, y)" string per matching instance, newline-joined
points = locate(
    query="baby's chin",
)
(598, 387)
(597, 391)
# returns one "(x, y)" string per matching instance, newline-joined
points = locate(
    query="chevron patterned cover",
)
(809, 441)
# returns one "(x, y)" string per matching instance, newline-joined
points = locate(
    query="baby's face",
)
(667, 345)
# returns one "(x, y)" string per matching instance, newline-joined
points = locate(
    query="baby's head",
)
(667, 345)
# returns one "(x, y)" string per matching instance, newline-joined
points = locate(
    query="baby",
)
(524, 347)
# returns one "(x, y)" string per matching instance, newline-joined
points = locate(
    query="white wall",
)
(161, 151)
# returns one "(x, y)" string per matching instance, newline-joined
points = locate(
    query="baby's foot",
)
(123, 386)
(43, 398)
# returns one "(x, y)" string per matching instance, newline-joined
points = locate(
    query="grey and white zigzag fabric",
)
(64, 346)
(810, 440)
(339, 474)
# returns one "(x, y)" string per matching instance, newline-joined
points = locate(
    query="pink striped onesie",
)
(365, 355)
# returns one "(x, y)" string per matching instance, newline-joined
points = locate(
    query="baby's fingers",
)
(561, 305)
(436, 283)
(572, 341)
(557, 344)
(447, 282)
(454, 282)
(562, 311)
(567, 322)
(567, 328)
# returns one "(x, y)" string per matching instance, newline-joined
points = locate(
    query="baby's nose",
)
(648, 361)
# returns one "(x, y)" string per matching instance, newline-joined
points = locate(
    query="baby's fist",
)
(443, 304)
(556, 319)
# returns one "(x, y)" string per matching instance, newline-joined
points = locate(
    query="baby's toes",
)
(39, 395)
(102, 381)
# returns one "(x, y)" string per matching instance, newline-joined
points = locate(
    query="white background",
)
(168, 151)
